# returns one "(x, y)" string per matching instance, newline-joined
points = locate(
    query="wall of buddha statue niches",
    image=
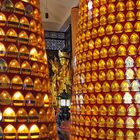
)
(106, 99)
(25, 99)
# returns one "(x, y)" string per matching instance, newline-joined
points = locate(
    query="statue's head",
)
(64, 58)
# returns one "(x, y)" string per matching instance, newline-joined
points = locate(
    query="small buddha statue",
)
(95, 12)
(121, 110)
(127, 98)
(91, 45)
(95, 110)
(94, 65)
(98, 87)
(88, 77)
(120, 17)
(88, 66)
(125, 86)
(135, 85)
(134, 38)
(101, 134)
(105, 42)
(110, 122)
(130, 123)
(120, 6)
(102, 64)
(138, 135)
(108, 98)
(103, 10)
(87, 121)
(112, 51)
(86, 99)
(117, 98)
(118, 28)
(137, 26)
(96, 54)
(94, 33)
(111, 110)
(101, 122)
(138, 15)
(138, 123)
(119, 123)
(106, 87)
(94, 121)
(110, 75)
(110, 63)
(101, 31)
(131, 110)
(130, 5)
(89, 55)
(137, 61)
(129, 74)
(90, 88)
(103, 110)
(103, 53)
(129, 62)
(98, 43)
(137, 97)
(111, 8)
(87, 132)
(115, 86)
(95, 22)
(102, 76)
(100, 99)
(103, 20)
(124, 39)
(130, 16)
(94, 76)
(119, 135)
(130, 135)
(93, 133)
(110, 134)
(92, 99)
(115, 40)
(109, 29)
(128, 27)
(88, 110)
(111, 18)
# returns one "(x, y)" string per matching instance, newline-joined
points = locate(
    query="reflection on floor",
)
(64, 130)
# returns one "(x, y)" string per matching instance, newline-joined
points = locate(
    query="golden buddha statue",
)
(61, 79)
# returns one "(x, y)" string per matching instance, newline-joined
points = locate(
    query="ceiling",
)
(59, 13)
